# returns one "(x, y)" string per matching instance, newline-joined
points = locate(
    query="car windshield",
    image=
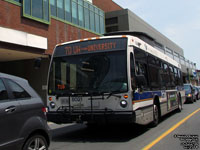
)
(187, 87)
(94, 72)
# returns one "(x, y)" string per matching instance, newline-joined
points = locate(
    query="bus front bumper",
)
(92, 116)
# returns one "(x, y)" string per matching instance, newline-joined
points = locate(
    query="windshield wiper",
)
(112, 94)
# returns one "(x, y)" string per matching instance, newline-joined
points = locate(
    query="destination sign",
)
(91, 46)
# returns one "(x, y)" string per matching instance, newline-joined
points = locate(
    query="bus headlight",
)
(123, 103)
(53, 105)
(189, 95)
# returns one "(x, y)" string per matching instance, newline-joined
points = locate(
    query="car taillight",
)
(44, 109)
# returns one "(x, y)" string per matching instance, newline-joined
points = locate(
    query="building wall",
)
(11, 17)
(37, 78)
(107, 5)
(128, 21)
(137, 24)
(56, 32)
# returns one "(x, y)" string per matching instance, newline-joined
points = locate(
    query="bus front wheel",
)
(155, 115)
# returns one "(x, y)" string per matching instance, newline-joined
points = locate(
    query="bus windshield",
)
(102, 72)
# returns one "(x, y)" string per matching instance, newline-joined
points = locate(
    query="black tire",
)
(194, 99)
(180, 106)
(156, 116)
(36, 141)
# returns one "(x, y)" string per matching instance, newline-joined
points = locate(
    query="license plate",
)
(76, 99)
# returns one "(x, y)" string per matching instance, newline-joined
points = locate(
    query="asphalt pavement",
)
(176, 131)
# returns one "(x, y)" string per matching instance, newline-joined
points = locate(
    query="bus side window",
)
(154, 72)
(141, 65)
(180, 78)
(141, 69)
(172, 79)
(166, 76)
(176, 76)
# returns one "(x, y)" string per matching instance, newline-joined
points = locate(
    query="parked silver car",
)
(23, 124)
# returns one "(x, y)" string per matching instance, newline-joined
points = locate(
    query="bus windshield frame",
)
(97, 71)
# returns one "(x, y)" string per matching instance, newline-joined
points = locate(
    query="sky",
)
(179, 20)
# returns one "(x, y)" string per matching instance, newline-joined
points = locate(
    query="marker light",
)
(50, 98)
(125, 96)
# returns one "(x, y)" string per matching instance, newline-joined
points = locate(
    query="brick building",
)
(30, 29)
(107, 5)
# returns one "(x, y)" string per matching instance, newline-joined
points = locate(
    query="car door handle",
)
(10, 109)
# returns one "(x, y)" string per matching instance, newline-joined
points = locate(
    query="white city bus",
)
(112, 79)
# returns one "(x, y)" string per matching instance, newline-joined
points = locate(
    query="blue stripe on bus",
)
(146, 95)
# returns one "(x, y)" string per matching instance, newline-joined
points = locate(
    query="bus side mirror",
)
(141, 81)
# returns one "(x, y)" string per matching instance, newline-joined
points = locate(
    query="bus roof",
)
(133, 41)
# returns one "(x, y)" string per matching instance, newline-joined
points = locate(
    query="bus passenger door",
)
(132, 72)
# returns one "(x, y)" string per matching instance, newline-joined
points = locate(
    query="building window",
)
(60, 9)
(176, 57)
(113, 20)
(53, 7)
(74, 12)
(159, 47)
(169, 52)
(92, 25)
(97, 18)
(112, 29)
(182, 60)
(86, 15)
(80, 13)
(102, 24)
(68, 16)
(37, 10)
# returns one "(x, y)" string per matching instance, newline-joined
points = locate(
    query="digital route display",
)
(91, 46)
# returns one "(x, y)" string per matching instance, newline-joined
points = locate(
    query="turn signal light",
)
(50, 98)
(125, 96)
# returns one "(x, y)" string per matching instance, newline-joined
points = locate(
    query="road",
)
(175, 131)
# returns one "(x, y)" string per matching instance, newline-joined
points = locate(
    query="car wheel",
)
(36, 142)
(194, 99)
